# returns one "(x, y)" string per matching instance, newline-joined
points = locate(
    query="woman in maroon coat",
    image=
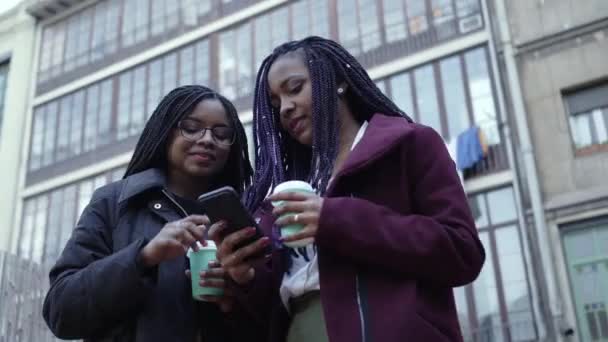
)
(392, 230)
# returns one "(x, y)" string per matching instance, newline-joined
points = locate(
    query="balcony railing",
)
(23, 285)
(495, 161)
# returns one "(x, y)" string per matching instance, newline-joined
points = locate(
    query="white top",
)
(303, 275)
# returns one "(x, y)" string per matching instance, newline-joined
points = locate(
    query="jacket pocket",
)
(431, 332)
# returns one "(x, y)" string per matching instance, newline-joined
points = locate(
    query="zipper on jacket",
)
(360, 306)
(175, 202)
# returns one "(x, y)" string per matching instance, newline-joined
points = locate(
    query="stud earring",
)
(340, 91)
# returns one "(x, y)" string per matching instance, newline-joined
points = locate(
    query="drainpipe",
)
(550, 303)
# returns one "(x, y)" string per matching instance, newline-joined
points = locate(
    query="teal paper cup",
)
(293, 186)
(199, 261)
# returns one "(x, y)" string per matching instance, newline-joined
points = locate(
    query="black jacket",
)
(99, 292)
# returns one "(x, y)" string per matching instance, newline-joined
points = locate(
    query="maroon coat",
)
(395, 235)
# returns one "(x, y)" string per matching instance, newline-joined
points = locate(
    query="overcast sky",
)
(7, 4)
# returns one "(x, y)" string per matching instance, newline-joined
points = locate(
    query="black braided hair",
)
(151, 148)
(278, 156)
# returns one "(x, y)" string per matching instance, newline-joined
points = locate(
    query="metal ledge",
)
(43, 9)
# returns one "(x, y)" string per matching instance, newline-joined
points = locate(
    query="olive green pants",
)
(307, 321)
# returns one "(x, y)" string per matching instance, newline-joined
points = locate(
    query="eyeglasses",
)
(192, 131)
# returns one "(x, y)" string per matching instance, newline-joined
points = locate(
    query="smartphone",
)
(224, 204)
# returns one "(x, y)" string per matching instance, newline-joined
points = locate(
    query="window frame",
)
(567, 97)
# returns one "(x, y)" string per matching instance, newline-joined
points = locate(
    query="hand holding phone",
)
(224, 205)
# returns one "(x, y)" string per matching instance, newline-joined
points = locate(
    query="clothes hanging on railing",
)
(471, 148)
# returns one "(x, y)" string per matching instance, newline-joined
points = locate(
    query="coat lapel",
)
(382, 135)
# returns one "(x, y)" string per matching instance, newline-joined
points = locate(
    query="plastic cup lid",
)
(293, 185)
(210, 246)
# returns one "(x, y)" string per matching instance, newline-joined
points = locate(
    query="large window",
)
(497, 306)
(450, 95)
(98, 34)
(380, 30)
(358, 25)
(49, 218)
(588, 116)
(113, 109)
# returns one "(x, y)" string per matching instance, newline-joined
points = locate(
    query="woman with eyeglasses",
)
(121, 276)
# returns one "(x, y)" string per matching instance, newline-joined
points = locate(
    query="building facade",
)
(560, 50)
(100, 68)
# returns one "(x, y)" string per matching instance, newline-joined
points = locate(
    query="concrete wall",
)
(533, 19)
(545, 73)
(17, 35)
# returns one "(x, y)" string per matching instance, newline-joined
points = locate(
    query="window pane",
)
(154, 85)
(426, 92)
(169, 72)
(401, 92)
(280, 26)
(394, 20)
(65, 119)
(99, 25)
(370, 28)
(142, 16)
(84, 36)
(479, 211)
(454, 96)
(37, 138)
(320, 18)
(112, 27)
(467, 7)
(245, 76)
(502, 206)
(263, 41)
(484, 110)
(58, 45)
(463, 312)
(202, 63)
(39, 229)
(138, 116)
(514, 282)
(105, 113)
(90, 134)
(485, 295)
(186, 61)
(442, 11)
(189, 12)
(581, 130)
(128, 24)
(158, 16)
(68, 216)
(46, 50)
(172, 8)
(600, 125)
(204, 6)
(76, 124)
(51, 246)
(300, 19)
(49, 134)
(85, 191)
(416, 13)
(124, 105)
(72, 43)
(348, 26)
(29, 212)
(227, 67)
(443, 18)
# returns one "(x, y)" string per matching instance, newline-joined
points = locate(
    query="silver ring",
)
(295, 218)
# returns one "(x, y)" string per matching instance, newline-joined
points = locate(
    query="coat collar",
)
(143, 181)
(382, 135)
